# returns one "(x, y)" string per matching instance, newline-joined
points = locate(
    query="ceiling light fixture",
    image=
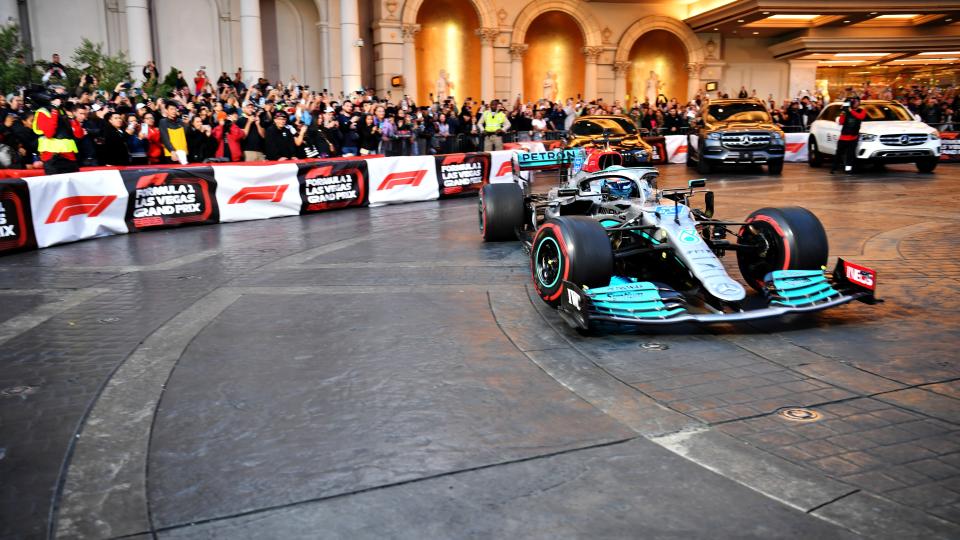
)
(739, 20)
(755, 33)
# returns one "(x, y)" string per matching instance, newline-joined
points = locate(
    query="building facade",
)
(625, 50)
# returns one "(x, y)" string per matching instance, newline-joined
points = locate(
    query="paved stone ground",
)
(382, 372)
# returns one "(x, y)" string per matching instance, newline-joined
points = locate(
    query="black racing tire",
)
(788, 238)
(927, 165)
(570, 248)
(500, 211)
(814, 157)
(703, 164)
(775, 166)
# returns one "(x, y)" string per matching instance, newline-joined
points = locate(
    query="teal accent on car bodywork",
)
(633, 299)
(795, 288)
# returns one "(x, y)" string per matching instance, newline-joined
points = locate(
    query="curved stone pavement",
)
(472, 396)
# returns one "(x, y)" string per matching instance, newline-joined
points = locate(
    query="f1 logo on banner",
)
(79, 205)
(409, 178)
(403, 179)
(259, 193)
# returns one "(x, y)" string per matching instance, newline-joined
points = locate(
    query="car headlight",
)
(867, 137)
(715, 136)
(934, 136)
(776, 136)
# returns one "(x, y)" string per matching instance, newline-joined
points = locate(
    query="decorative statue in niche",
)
(443, 86)
(653, 87)
(550, 87)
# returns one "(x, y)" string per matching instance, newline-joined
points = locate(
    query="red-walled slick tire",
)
(570, 248)
(501, 212)
(789, 238)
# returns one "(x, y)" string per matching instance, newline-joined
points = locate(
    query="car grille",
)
(911, 139)
(745, 141)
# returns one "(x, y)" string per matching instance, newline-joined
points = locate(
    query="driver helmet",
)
(620, 189)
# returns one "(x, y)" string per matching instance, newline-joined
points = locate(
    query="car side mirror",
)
(708, 204)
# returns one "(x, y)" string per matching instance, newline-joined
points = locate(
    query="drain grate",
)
(799, 414)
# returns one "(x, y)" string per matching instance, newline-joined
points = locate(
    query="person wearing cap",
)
(229, 136)
(493, 123)
(281, 142)
(57, 142)
(850, 119)
(326, 136)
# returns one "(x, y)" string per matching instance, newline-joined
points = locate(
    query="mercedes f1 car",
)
(606, 245)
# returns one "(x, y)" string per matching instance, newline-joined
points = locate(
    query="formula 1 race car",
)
(606, 245)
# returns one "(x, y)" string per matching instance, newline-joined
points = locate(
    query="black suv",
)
(735, 131)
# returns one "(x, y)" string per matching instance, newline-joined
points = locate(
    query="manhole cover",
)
(18, 391)
(799, 414)
(654, 346)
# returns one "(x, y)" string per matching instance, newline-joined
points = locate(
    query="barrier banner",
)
(796, 147)
(949, 147)
(163, 198)
(659, 149)
(402, 179)
(462, 173)
(501, 167)
(16, 223)
(331, 185)
(70, 207)
(245, 193)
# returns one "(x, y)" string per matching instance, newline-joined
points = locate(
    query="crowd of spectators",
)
(226, 120)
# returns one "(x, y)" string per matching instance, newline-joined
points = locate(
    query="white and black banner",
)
(402, 179)
(71, 207)
(247, 192)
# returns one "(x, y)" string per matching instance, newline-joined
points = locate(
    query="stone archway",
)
(695, 51)
(485, 12)
(592, 40)
(655, 22)
(588, 24)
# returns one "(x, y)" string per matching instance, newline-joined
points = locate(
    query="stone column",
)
(349, 51)
(694, 70)
(139, 45)
(517, 50)
(324, 27)
(410, 86)
(803, 77)
(621, 70)
(592, 55)
(251, 39)
(487, 37)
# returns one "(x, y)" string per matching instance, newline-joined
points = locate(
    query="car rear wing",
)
(569, 158)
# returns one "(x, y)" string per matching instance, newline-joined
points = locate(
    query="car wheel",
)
(927, 165)
(570, 248)
(789, 238)
(703, 165)
(500, 211)
(775, 166)
(814, 157)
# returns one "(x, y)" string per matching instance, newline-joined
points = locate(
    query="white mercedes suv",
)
(889, 134)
